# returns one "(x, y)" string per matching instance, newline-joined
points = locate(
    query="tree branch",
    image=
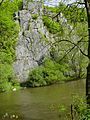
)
(67, 53)
(75, 44)
(1, 2)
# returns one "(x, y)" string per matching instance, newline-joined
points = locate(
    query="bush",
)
(34, 16)
(49, 73)
(52, 9)
(5, 86)
(51, 25)
(7, 80)
(8, 37)
(36, 77)
(81, 108)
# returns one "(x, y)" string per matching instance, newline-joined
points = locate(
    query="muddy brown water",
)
(41, 103)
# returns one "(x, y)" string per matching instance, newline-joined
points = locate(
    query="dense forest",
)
(41, 45)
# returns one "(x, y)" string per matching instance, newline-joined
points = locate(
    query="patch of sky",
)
(53, 3)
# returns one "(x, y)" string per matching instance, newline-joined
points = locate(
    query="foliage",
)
(51, 25)
(8, 37)
(73, 13)
(34, 16)
(81, 108)
(73, 24)
(74, 61)
(50, 72)
(52, 9)
(5, 86)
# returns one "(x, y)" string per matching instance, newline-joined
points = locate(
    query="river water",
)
(41, 103)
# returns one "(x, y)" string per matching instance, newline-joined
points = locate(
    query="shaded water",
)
(40, 103)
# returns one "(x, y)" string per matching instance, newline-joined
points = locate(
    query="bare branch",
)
(75, 44)
(67, 53)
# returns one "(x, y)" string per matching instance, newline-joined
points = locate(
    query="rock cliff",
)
(33, 38)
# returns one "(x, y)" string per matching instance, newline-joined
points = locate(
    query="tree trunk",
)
(87, 5)
(88, 84)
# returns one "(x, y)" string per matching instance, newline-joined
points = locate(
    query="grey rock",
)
(31, 47)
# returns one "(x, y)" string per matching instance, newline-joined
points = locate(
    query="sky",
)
(56, 2)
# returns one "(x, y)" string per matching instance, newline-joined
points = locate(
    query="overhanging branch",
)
(75, 45)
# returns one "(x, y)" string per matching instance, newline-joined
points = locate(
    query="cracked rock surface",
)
(32, 45)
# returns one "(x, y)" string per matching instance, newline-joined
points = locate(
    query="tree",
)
(87, 5)
(72, 16)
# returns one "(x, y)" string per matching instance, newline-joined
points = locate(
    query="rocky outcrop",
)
(32, 45)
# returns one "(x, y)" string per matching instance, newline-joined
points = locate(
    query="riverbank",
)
(25, 84)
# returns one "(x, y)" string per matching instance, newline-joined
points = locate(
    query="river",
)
(41, 103)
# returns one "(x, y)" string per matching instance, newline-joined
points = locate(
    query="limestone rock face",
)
(33, 38)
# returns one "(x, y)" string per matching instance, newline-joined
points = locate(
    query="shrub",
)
(46, 74)
(81, 108)
(52, 9)
(51, 25)
(8, 37)
(5, 86)
(34, 16)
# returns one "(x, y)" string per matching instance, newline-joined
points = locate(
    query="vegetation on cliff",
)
(8, 36)
(68, 26)
(52, 26)
(65, 59)
(48, 73)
